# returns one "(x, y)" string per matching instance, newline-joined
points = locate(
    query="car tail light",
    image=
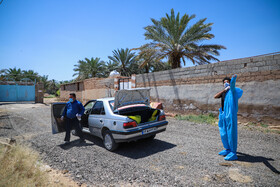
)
(161, 118)
(129, 124)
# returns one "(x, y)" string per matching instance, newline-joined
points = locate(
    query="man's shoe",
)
(231, 156)
(82, 141)
(66, 142)
(224, 152)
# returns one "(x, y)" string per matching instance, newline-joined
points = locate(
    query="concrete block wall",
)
(192, 89)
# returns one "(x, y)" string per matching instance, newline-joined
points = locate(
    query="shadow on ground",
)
(75, 143)
(255, 159)
(134, 150)
(143, 148)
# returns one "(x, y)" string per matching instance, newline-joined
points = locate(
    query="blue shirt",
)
(73, 108)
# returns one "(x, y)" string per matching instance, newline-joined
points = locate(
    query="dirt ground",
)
(184, 155)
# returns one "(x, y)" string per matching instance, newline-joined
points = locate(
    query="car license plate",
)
(146, 131)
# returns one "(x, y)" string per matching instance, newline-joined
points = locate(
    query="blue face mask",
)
(226, 84)
(71, 100)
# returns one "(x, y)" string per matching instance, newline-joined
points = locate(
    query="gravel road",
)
(186, 154)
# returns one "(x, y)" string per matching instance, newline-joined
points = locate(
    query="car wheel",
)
(109, 142)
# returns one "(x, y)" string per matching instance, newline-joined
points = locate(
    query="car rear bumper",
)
(139, 133)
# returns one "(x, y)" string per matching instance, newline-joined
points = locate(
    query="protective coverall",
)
(228, 121)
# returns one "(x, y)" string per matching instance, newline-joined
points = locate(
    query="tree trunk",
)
(176, 62)
(147, 69)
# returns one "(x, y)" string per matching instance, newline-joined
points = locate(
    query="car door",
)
(88, 107)
(56, 112)
(96, 118)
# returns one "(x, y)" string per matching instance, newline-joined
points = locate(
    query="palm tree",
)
(173, 38)
(2, 74)
(3, 71)
(160, 66)
(148, 60)
(44, 79)
(53, 86)
(134, 68)
(81, 69)
(111, 66)
(30, 74)
(14, 73)
(89, 68)
(125, 58)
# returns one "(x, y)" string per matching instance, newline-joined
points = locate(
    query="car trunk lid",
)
(132, 96)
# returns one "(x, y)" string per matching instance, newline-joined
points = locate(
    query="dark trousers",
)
(70, 124)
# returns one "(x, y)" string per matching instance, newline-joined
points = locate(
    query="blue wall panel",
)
(12, 93)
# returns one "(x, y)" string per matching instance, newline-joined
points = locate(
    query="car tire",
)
(109, 142)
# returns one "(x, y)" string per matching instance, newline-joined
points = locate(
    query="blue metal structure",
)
(15, 92)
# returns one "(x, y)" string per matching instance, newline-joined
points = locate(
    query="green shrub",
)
(50, 96)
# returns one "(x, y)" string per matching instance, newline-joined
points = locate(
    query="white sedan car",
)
(127, 117)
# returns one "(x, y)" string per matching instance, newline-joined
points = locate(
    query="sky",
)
(50, 36)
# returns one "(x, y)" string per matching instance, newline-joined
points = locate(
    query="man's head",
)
(226, 79)
(72, 97)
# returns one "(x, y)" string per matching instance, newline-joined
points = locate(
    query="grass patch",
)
(275, 131)
(50, 96)
(202, 118)
(261, 127)
(20, 166)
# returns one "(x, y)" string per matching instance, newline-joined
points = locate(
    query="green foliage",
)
(173, 38)
(20, 75)
(263, 125)
(89, 68)
(209, 119)
(44, 79)
(111, 66)
(16, 74)
(13, 73)
(34, 76)
(67, 81)
(260, 126)
(125, 58)
(53, 86)
(147, 58)
(50, 96)
(159, 66)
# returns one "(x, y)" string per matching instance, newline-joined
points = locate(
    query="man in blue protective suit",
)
(73, 110)
(228, 117)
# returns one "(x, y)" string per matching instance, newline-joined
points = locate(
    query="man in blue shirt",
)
(74, 109)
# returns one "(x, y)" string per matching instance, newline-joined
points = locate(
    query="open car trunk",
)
(135, 104)
(141, 114)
